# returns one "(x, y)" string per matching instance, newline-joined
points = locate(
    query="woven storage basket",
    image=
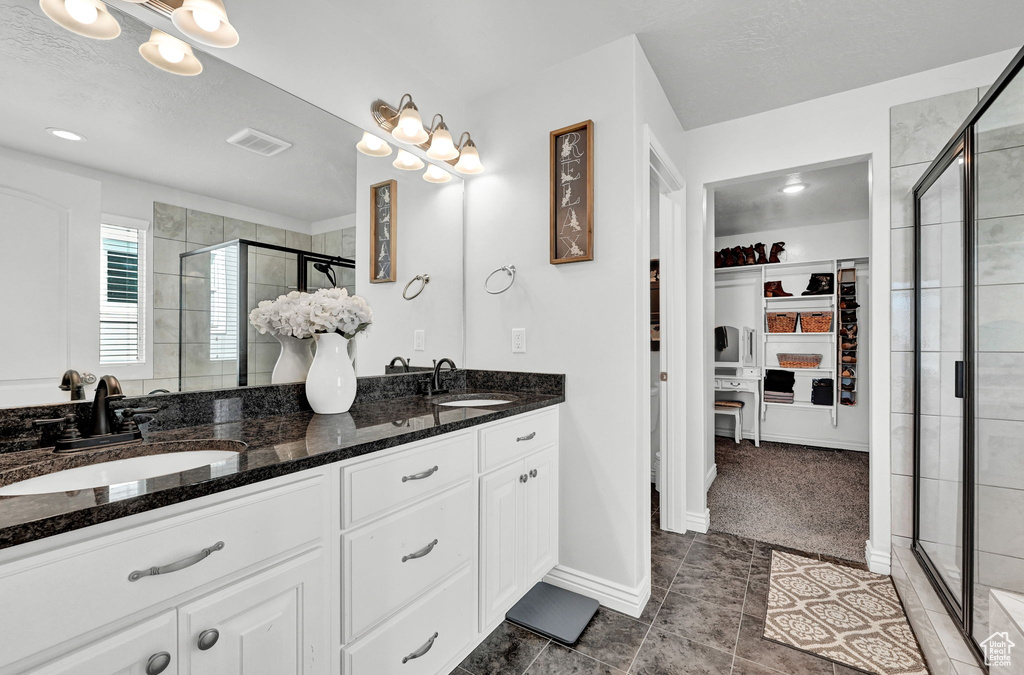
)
(799, 360)
(781, 322)
(816, 322)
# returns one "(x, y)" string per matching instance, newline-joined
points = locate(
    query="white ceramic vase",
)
(294, 360)
(331, 383)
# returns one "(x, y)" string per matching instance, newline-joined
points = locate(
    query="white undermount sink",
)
(470, 401)
(117, 471)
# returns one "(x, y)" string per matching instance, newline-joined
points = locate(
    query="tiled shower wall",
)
(271, 273)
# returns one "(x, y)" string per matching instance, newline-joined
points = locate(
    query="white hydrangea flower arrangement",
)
(301, 315)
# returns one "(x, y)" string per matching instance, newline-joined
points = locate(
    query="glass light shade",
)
(206, 22)
(435, 174)
(406, 161)
(410, 127)
(441, 145)
(96, 22)
(469, 160)
(167, 52)
(373, 146)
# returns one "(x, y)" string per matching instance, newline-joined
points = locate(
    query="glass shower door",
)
(939, 508)
(998, 435)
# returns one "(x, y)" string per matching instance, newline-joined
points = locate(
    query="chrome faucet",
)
(103, 422)
(435, 381)
(404, 362)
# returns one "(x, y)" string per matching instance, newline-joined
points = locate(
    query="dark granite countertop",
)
(276, 446)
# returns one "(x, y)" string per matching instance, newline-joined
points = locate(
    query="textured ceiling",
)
(834, 195)
(716, 60)
(144, 123)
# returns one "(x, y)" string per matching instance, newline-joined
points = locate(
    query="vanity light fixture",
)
(406, 161)
(406, 126)
(794, 188)
(435, 174)
(441, 145)
(88, 18)
(409, 128)
(373, 146)
(167, 52)
(206, 22)
(64, 134)
(469, 157)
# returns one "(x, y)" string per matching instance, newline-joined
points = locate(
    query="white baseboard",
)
(712, 475)
(879, 559)
(698, 522)
(798, 440)
(621, 598)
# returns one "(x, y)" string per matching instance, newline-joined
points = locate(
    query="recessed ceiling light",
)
(65, 134)
(794, 188)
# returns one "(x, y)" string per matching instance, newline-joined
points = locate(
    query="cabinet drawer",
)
(447, 613)
(380, 574)
(74, 590)
(372, 488)
(508, 441)
(730, 384)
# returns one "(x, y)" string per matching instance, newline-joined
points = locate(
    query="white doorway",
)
(665, 392)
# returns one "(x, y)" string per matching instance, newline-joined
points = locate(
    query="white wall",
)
(132, 198)
(847, 125)
(428, 228)
(588, 320)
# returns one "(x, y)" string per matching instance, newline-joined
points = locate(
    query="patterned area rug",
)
(843, 614)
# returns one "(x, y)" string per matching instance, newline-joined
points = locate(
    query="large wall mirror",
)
(139, 250)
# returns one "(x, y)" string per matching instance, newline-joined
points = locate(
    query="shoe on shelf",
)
(777, 248)
(848, 304)
(821, 284)
(773, 289)
(762, 256)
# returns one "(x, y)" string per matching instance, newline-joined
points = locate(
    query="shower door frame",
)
(302, 258)
(960, 610)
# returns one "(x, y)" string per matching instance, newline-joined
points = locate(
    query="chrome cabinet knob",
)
(208, 638)
(158, 663)
(533, 473)
(523, 478)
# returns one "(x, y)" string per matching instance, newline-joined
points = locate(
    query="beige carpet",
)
(847, 615)
(809, 499)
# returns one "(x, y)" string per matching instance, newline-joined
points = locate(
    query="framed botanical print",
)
(572, 193)
(383, 231)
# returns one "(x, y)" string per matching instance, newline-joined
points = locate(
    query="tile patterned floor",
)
(705, 617)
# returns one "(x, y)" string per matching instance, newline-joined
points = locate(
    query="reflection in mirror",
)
(138, 250)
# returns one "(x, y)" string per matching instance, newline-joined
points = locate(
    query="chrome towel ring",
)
(424, 279)
(510, 270)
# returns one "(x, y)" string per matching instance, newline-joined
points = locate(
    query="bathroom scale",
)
(554, 612)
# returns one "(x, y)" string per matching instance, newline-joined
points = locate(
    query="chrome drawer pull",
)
(422, 650)
(158, 663)
(420, 476)
(175, 566)
(420, 553)
(528, 437)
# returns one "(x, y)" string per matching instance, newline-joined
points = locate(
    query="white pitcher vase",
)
(331, 383)
(294, 360)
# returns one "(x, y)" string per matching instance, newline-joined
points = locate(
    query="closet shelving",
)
(794, 277)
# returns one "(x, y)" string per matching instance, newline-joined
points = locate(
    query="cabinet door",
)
(269, 624)
(501, 524)
(127, 652)
(541, 514)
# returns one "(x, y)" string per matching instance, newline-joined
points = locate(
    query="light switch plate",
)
(518, 340)
(419, 340)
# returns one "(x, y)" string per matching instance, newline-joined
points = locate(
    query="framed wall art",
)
(572, 193)
(383, 231)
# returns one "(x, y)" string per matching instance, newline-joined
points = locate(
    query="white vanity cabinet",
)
(394, 562)
(518, 510)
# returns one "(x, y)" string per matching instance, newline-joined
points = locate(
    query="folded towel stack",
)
(778, 397)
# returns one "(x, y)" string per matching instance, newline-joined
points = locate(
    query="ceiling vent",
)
(259, 142)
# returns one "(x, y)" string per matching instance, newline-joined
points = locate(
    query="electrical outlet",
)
(419, 340)
(518, 340)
